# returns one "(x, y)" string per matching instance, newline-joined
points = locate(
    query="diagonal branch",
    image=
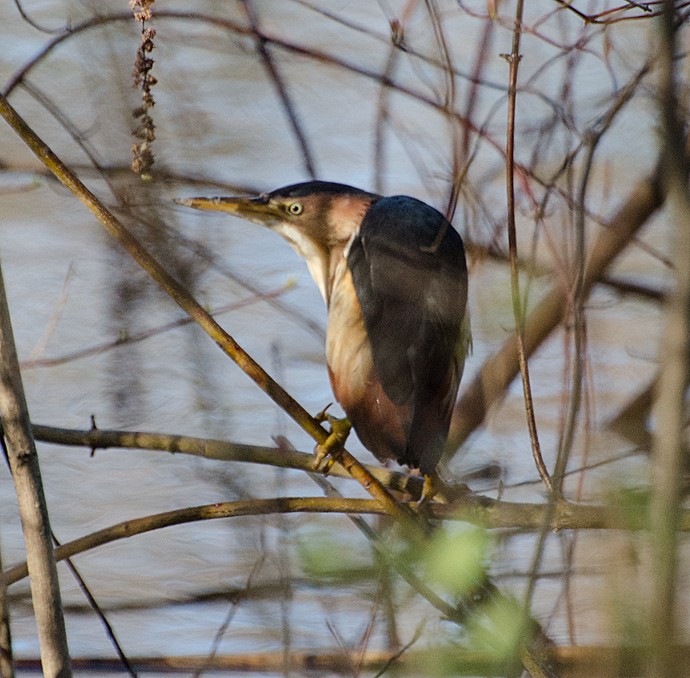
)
(281, 89)
(20, 449)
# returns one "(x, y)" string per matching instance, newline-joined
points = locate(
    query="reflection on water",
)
(218, 116)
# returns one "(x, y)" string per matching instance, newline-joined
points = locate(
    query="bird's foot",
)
(328, 451)
(438, 489)
(430, 489)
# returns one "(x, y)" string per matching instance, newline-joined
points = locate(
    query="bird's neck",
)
(317, 258)
(326, 267)
(318, 266)
(337, 266)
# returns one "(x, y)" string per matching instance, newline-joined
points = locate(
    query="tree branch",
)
(33, 511)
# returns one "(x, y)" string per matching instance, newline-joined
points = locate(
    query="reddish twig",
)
(514, 60)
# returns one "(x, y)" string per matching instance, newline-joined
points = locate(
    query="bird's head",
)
(318, 218)
(314, 214)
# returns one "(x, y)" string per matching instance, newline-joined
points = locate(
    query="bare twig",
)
(477, 510)
(229, 616)
(514, 61)
(6, 654)
(33, 511)
(622, 12)
(230, 509)
(144, 334)
(94, 605)
(33, 23)
(281, 88)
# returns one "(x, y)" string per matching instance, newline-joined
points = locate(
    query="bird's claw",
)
(328, 450)
(429, 490)
(323, 414)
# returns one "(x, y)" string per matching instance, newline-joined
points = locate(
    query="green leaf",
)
(456, 560)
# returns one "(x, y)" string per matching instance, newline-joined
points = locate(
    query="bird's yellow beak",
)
(259, 210)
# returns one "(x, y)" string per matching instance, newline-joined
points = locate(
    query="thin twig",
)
(229, 616)
(33, 23)
(514, 60)
(93, 603)
(20, 449)
(281, 88)
(144, 334)
(6, 653)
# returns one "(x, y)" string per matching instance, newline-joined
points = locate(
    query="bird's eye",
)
(295, 208)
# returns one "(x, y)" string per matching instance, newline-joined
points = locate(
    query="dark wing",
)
(409, 272)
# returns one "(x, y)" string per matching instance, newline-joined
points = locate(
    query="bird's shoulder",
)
(409, 272)
(408, 251)
(403, 227)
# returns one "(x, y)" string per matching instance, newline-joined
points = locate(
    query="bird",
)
(393, 273)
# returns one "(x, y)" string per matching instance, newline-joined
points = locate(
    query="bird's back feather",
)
(409, 272)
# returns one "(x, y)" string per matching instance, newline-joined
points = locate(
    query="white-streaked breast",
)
(347, 345)
(314, 256)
